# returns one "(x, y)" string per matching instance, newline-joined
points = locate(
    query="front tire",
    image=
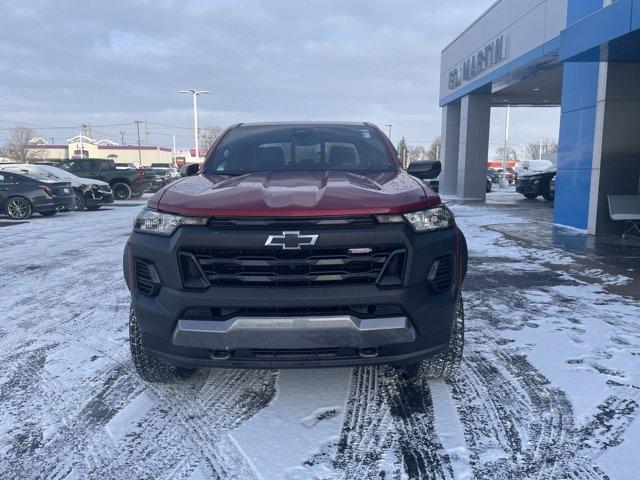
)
(121, 191)
(18, 208)
(531, 196)
(444, 364)
(151, 369)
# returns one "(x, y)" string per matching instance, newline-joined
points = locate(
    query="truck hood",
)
(295, 194)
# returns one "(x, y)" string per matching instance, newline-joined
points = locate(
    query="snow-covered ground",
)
(549, 386)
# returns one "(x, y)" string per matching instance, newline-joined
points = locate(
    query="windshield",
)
(300, 148)
(39, 175)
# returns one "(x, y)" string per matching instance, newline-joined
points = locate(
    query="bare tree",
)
(403, 153)
(533, 149)
(18, 145)
(435, 150)
(208, 135)
(416, 153)
(511, 154)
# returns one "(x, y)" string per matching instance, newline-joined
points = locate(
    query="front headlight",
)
(431, 220)
(159, 223)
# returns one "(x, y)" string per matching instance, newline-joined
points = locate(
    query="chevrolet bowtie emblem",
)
(291, 240)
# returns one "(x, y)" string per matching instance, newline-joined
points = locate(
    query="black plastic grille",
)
(441, 274)
(146, 280)
(223, 313)
(317, 267)
(298, 353)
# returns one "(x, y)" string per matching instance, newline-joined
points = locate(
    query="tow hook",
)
(220, 354)
(368, 352)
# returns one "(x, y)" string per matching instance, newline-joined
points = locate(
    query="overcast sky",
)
(63, 64)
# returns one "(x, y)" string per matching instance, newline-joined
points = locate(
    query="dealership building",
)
(581, 55)
(83, 146)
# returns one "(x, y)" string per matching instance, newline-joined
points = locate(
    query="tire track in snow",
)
(368, 429)
(388, 412)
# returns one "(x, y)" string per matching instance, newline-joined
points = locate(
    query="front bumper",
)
(96, 197)
(285, 341)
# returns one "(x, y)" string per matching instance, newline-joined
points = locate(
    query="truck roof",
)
(303, 124)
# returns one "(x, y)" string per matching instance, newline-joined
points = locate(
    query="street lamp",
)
(195, 94)
(388, 125)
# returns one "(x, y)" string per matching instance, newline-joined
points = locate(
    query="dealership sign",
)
(485, 58)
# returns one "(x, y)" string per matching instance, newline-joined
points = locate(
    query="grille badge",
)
(360, 251)
(291, 241)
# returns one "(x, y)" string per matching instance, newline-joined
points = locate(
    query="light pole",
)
(502, 183)
(388, 125)
(195, 94)
(173, 136)
(138, 122)
(52, 142)
(122, 132)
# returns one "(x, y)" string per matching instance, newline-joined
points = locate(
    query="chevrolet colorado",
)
(297, 245)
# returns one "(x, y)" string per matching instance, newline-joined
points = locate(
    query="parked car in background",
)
(22, 194)
(494, 174)
(89, 193)
(535, 184)
(125, 182)
(533, 166)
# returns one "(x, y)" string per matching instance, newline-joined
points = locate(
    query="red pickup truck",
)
(297, 245)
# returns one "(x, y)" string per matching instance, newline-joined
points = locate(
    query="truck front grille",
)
(302, 268)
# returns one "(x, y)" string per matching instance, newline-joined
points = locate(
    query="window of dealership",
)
(582, 55)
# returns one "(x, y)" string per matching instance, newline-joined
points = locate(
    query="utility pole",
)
(503, 181)
(52, 142)
(146, 134)
(540, 149)
(138, 122)
(195, 94)
(388, 125)
(122, 132)
(173, 136)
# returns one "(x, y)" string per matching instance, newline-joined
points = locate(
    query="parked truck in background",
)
(125, 182)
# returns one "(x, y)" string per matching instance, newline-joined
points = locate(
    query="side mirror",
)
(192, 169)
(425, 169)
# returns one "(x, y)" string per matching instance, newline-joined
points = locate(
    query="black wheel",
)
(548, 195)
(80, 203)
(151, 369)
(444, 364)
(121, 191)
(18, 208)
(48, 213)
(531, 196)
(93, 207)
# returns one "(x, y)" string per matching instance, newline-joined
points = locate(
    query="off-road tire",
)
(547, 195)
(151, 369)
(48, 213)
(18, 208)
(121, 191)
(444, 364)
